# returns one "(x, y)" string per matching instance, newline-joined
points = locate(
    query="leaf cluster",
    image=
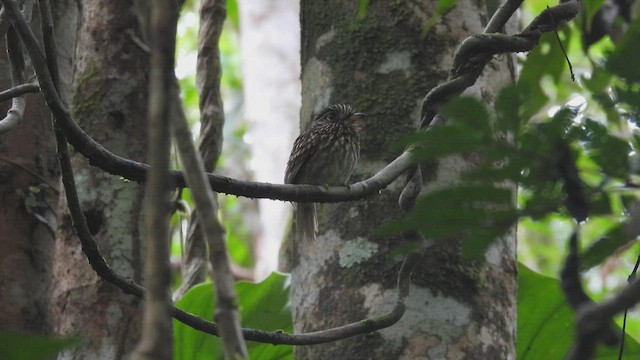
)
(578, 160)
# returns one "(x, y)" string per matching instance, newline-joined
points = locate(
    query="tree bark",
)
(29, 189)
(110, 103)
(375, 59)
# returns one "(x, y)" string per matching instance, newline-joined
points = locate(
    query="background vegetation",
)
(595, 115)
(538, 129)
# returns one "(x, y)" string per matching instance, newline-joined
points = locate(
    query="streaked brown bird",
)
(325, 154)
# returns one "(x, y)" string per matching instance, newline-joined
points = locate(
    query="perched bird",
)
(325, 154)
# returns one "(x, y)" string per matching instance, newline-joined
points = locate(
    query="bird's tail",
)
(306, 222)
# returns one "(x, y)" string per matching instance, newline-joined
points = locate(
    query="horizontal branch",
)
(102, 158)
(18, 91)
(16, 68)
(99, 265)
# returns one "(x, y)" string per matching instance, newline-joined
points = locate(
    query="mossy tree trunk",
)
(375, 58)
(109, 102)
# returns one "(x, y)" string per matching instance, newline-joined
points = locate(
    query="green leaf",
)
(469, 112)
(232, 13)
(262, 306)
(603, 247)
(441, 8)
(507, 108)
(623, 61)
(17, 346)
(598, 81)
(609, 152)
(479, 239)
(545, 321)
(478, 212)
(543, 315)
(443, 140)
(564, 117)
(590, 8)
(545, 62)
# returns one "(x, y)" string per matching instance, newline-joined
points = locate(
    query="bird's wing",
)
(303, 149)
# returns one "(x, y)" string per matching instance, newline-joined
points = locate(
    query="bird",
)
(325, 154)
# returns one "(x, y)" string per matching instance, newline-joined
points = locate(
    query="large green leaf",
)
(262, 306)
(16, 346)
(545, 321)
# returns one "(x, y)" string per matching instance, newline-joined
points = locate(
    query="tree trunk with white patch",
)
(376, 60)
(109, 103)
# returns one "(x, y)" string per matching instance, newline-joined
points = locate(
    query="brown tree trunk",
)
(29, 190)
(375, 59)
(110, 104)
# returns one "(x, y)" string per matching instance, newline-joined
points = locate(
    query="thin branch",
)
(99, 265)
(226, 312)
(504, 12)
(573, 76)
(570, 276)
(16, 67)
(632, 277)
(208, 73)
(156, 340)
(136, 171)
(18, 90)
(593, 321)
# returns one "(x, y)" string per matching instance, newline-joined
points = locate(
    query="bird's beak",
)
(357, 116)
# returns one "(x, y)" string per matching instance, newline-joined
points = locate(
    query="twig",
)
(18, 90)
(573, 76)
(593, 321)
(633, 276)
(16, 66)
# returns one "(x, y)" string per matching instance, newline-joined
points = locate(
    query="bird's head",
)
(341, 113)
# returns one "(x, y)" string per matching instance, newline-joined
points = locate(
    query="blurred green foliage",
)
(571, 148)
(238, 235)
(19, 346)
(546, 323)
(262, 306)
